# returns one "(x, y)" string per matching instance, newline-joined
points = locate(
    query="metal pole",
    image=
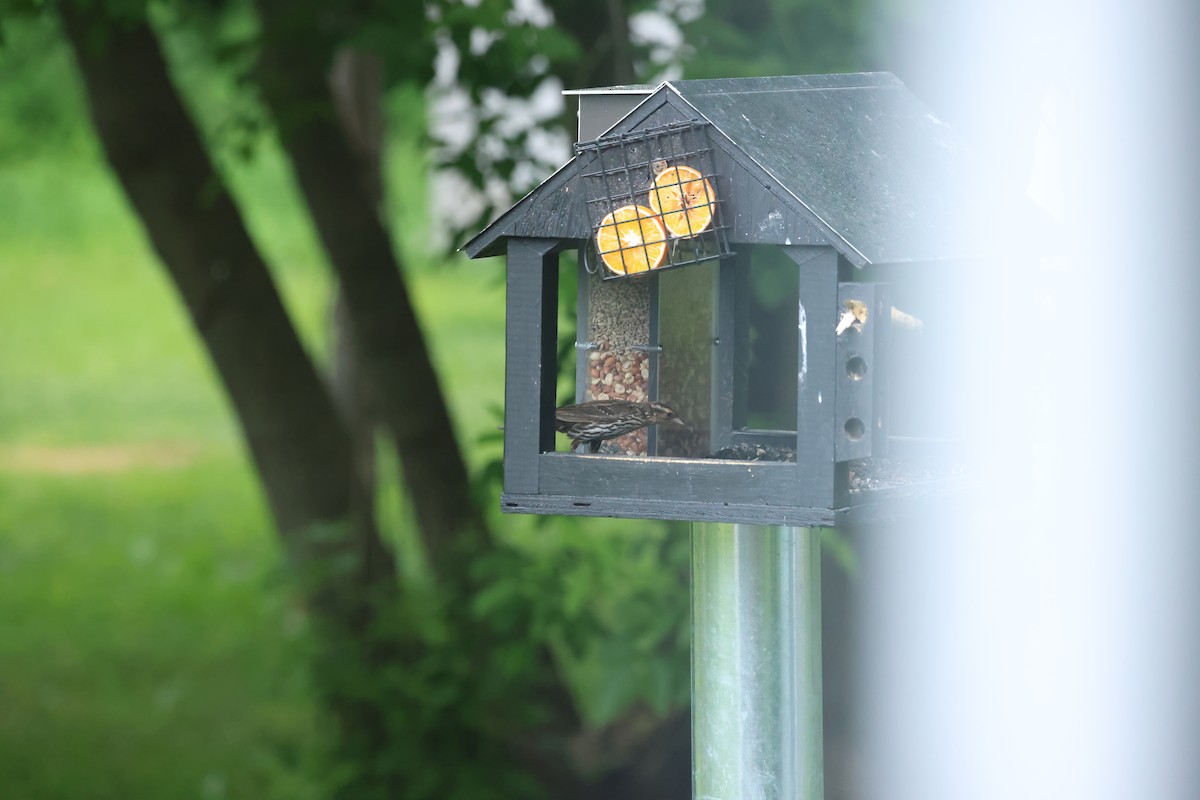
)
(756, 663)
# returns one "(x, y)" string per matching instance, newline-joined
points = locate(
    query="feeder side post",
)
(730, 362)
(816, 412)
(530, 336)
(583, 328)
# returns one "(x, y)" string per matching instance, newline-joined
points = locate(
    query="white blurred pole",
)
(756, 663)
(1044, 642)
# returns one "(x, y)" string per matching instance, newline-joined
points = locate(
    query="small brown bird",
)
(597, 421)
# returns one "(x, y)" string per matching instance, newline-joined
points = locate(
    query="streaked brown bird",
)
(597, 421)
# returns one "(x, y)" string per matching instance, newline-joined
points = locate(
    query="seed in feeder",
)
(631, 239)
(684, 199)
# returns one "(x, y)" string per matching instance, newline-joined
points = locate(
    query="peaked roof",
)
(874, 170)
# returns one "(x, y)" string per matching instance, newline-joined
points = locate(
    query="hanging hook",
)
(588, 266)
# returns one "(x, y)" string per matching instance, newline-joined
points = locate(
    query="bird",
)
(596, 421)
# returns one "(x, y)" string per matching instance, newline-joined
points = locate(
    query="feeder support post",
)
(756, 663)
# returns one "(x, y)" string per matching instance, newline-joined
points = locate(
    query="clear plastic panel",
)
(618, 351)
(772, 314)
(687, 306)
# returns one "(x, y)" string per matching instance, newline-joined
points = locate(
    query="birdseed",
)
(619, 368)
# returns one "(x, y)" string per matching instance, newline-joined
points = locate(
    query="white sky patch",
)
(654, 28)
(482, 40)
(533, 12)
(657, 30)
(452, 119)
(445, 62)
(683, 10)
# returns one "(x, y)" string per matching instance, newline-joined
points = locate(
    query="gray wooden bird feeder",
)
(732, 236)
(724, 229)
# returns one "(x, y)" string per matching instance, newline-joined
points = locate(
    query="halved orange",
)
(684, 199)
(631, 239)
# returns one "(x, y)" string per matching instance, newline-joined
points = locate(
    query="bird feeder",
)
(725, 231)
(744, 248)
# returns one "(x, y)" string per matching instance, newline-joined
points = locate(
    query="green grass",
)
(149, 646)
(96, 347)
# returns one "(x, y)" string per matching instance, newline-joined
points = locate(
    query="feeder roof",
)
(625, 88)
(864, 160)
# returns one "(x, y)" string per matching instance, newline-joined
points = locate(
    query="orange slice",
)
(684, 199)
(631, 239)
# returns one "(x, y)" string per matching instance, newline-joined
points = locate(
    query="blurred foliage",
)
(40, 101)
(746, 38)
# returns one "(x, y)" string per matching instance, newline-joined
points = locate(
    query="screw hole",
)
(854, 428)
(856, 368)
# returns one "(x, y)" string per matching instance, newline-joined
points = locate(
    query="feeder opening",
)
(771, 350)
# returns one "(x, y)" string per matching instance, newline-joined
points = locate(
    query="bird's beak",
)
(679, 421)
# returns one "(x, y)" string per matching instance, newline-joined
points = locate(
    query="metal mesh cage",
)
(654, 200)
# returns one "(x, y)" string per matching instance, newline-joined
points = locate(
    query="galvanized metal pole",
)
(756, 663)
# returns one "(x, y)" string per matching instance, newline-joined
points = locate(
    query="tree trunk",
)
(356, 83)
(602, 31)
(395, 359)
(622, 50)
(299, 446)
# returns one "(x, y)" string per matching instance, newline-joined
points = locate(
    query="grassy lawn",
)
(149, 647)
